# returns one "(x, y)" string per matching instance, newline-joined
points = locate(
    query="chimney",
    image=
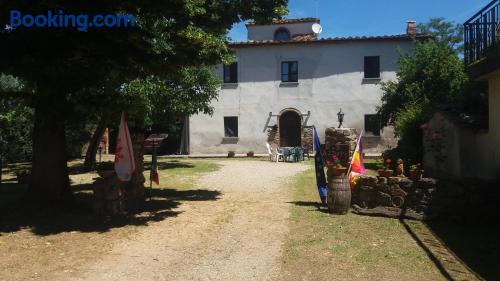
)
(411, 29)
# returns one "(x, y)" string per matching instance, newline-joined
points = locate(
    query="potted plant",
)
(386, 171)
(416, 172)
(335, 166)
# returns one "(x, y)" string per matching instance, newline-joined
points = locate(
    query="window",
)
(372, 124)
(231, 73)
(289, 71)
(372, 67)
(282, 34)
(231, 127)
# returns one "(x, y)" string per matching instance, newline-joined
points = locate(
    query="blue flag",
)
(320, 171)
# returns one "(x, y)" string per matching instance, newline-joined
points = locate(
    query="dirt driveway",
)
(237, 237)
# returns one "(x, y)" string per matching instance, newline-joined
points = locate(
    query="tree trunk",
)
(1, 166)
(49, 184)
(90, 156)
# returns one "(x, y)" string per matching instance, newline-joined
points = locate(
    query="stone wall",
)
(426, 199)
(397, 192)
(273, 137)
(307, 138)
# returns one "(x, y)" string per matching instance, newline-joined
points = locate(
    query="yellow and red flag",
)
(357, 167)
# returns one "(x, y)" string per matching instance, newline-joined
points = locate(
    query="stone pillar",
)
(273, 137)
(341, 142)
(307, 138)
(134, 191)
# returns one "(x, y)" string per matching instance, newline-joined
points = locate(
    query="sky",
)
(373, 17)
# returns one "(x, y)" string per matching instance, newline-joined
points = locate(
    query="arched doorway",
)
(290, 129)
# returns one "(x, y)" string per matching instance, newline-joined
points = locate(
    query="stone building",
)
(287, 79)
(475, 152)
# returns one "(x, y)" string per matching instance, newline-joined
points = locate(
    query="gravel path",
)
(237, 237)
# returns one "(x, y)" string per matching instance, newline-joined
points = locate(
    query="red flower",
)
(388, 161)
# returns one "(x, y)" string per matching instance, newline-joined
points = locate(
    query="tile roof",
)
(306, 38)
(465, 119)
(285, 21)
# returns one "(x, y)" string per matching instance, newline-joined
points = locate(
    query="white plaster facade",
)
(266, 32)
(331, 77)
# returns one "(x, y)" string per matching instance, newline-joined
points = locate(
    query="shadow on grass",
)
(305, 204)
(160, 205)
(460, 250)
(320, 207)
(172, 164)
(475, 243)
(78, 168)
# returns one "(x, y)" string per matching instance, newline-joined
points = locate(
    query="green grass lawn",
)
(371, 166)
(321, 246)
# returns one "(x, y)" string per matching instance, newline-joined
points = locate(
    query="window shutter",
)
(231, 126)
(372, 67)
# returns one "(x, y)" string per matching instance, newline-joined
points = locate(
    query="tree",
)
(59, 64)
(152, 100)
(16, 122)
(431, 76)
(444, 32)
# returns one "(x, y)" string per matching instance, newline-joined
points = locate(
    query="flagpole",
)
(151, 170)
(357, 145)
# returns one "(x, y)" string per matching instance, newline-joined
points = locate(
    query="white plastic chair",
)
(279, 155)
(269, 152)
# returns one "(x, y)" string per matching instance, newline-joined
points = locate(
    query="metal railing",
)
(482, 33)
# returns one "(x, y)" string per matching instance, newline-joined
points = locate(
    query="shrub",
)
(250, 154)
(231, 154)
(407, 127)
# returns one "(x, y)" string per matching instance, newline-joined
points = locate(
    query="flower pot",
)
(339, 172)
(416, 175)
(385, 173)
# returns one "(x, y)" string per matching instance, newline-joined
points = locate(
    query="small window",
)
(372, 67)
(282, 34)
(289, 71)
(372, 124)
(231, 73)
(231, 127)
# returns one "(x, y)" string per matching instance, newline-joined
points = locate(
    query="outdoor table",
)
(296, 152)
(286, 150)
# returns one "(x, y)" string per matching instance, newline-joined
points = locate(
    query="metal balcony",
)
(482, 40)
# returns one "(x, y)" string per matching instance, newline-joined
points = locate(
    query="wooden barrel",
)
(339, 195)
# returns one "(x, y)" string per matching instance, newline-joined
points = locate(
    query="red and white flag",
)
(124, 154)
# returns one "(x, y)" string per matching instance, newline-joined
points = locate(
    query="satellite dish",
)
(316, 28)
